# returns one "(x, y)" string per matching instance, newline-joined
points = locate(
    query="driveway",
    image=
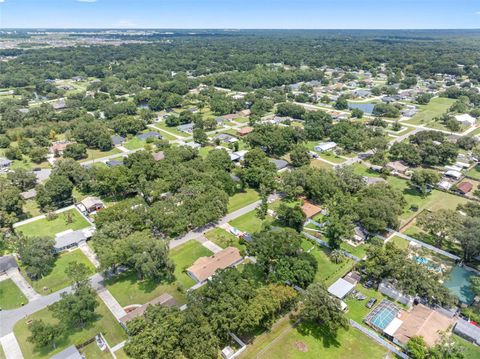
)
(22, 284)
(11, 347)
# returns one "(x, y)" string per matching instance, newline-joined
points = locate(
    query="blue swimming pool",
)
(458, 283)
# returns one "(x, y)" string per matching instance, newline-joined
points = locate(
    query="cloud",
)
(477, 12)
(2, 1)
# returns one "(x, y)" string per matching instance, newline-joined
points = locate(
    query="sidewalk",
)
(112, 304)
(10, 347)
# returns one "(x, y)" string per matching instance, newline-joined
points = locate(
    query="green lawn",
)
(356, 308)
(173, 130)
(436, 107)
(105, 324)
(224, 239)
(120, 354)
(57, 279)
(134, 143)
(471, 350)
(474, 173)
(128, 290)
(308, 340)
(203, 151)
(358, 251)
(45, 228)
(400, 242)
(11, 296)
(183, 257)
(93, 154)
(328, 271)
(242, 199)
(31, 207)
(93, 351)
(249, 222)
(320, 164)
(331, 157)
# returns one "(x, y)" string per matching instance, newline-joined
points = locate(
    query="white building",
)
(466, 119)
(325, 146)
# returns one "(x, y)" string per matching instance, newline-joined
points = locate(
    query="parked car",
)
(371, 303)
(100, 342)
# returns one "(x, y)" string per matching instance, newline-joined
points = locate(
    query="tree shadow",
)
(318, 332)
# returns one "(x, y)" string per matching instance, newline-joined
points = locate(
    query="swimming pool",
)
(382, 315)
(458, 283)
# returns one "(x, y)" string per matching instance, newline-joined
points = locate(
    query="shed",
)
(467, 330)
(453, 174)
(466, 119)
(387, 288)
(341, 288)
(158, 156)
(31, 193)
(310, 209)
(464, 187)
(114, 163)
(91, 204)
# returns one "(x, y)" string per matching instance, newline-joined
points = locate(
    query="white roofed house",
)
(90, 204)
(466, 119)
(69, 240)
(325, 146)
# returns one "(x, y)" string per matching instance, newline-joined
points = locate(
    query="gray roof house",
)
(117, 140)
(467, 330)
(7, 262)
(152, 134)
(114, 163)
(188, 127)
(389, 289)
(70, 353)
(279, 164)
(69, 240)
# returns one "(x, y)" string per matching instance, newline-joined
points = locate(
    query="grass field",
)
(2, 353)
(436, 107)
(183, 257)
(45, 228)
(249, 222)
(356, 308)
(11, 296)
(105, 324)
(120, 354)
(321, 164)
(128, 290)
(328, 271)
(172, 130)
(31, 207)
(224, 239)
(470, 350)
(57, 279)
(474, 173)
(308, 340)
(93, 154)
(242, 199)
(134, 143)
(93, 351)
(400, 242)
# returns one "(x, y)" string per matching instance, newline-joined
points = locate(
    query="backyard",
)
(249, 222)
(11, 296)
(57, 278)
(70, 219)
(183, 257)
(93, 154)
(436, 107)
(224, 239)
(105, 324)
(308, 340)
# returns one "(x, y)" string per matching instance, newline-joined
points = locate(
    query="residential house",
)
(59, 105)
(70, 353)
(30, 194)
(397, 167)
(205, 267)
(466, 119)
(117, 140)
(310, 209)
(453, 174)
(244, 131)
(193, 145)
(464, 187)
(151, 134)
(279, 164)
(388, 288)
(341, 288)
(225, 137)
(69, 240)
(187, 128)
(467, 330)
(373, 180)
(325, 146)
(114, 163)
(59, 146)
(5, 163)
(165, 300)
(90, 204)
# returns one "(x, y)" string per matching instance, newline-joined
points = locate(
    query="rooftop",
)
(164, 299)
(205, 267)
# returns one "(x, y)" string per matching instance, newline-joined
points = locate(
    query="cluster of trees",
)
(447, 348)
(391, 263)
(430, 148)
(275, 140)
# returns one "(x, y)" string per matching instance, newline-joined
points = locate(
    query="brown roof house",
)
(205, 267)
(158, 156)
(244, 131)
(464, 187)
(310, 209)
(165, 299)
(397, 167)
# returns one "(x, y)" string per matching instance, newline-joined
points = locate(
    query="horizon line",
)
(232, 28)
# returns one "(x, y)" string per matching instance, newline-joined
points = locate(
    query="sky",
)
(241, 14)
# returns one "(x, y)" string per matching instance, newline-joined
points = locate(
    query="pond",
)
(365, 107)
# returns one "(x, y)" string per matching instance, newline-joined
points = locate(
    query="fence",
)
(371, 334)
(326, 245)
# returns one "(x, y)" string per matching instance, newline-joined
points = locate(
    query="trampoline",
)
(382, 315)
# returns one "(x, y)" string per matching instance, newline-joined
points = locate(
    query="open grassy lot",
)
(242, 199)
(120, 354)
(320, 164)
(31, 207)
(436, 107)
(128, 290)
(308, 340)
(57, 279)
(400, 242)
(328, 271)
(249, 222)
(173, 130)
(183, 257)
(93, 351)
(93, 154)
(474, 172)
(105, 324)
(470, 350)
(224, 239)
(358, 251)
(45, 228)
(11, 296)
(203, 151)
(134, 143)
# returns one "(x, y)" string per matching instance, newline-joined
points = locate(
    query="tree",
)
(22, 179)
(439, 224)
(279, 255)
(417, 348)
(76, 309)
(357, 113)
(44, 334)
(338, 229)
(78, 272)
(292, 217)
(320, 307)
(468, 235)
(424, 180)
(257, 169)
(219, 159)
(337, 256)
(37, 255)
(77, 151)
(11, 203)
(56, 192)
(299, 156)
(38, 154)
(200, 136)
(342, 103)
